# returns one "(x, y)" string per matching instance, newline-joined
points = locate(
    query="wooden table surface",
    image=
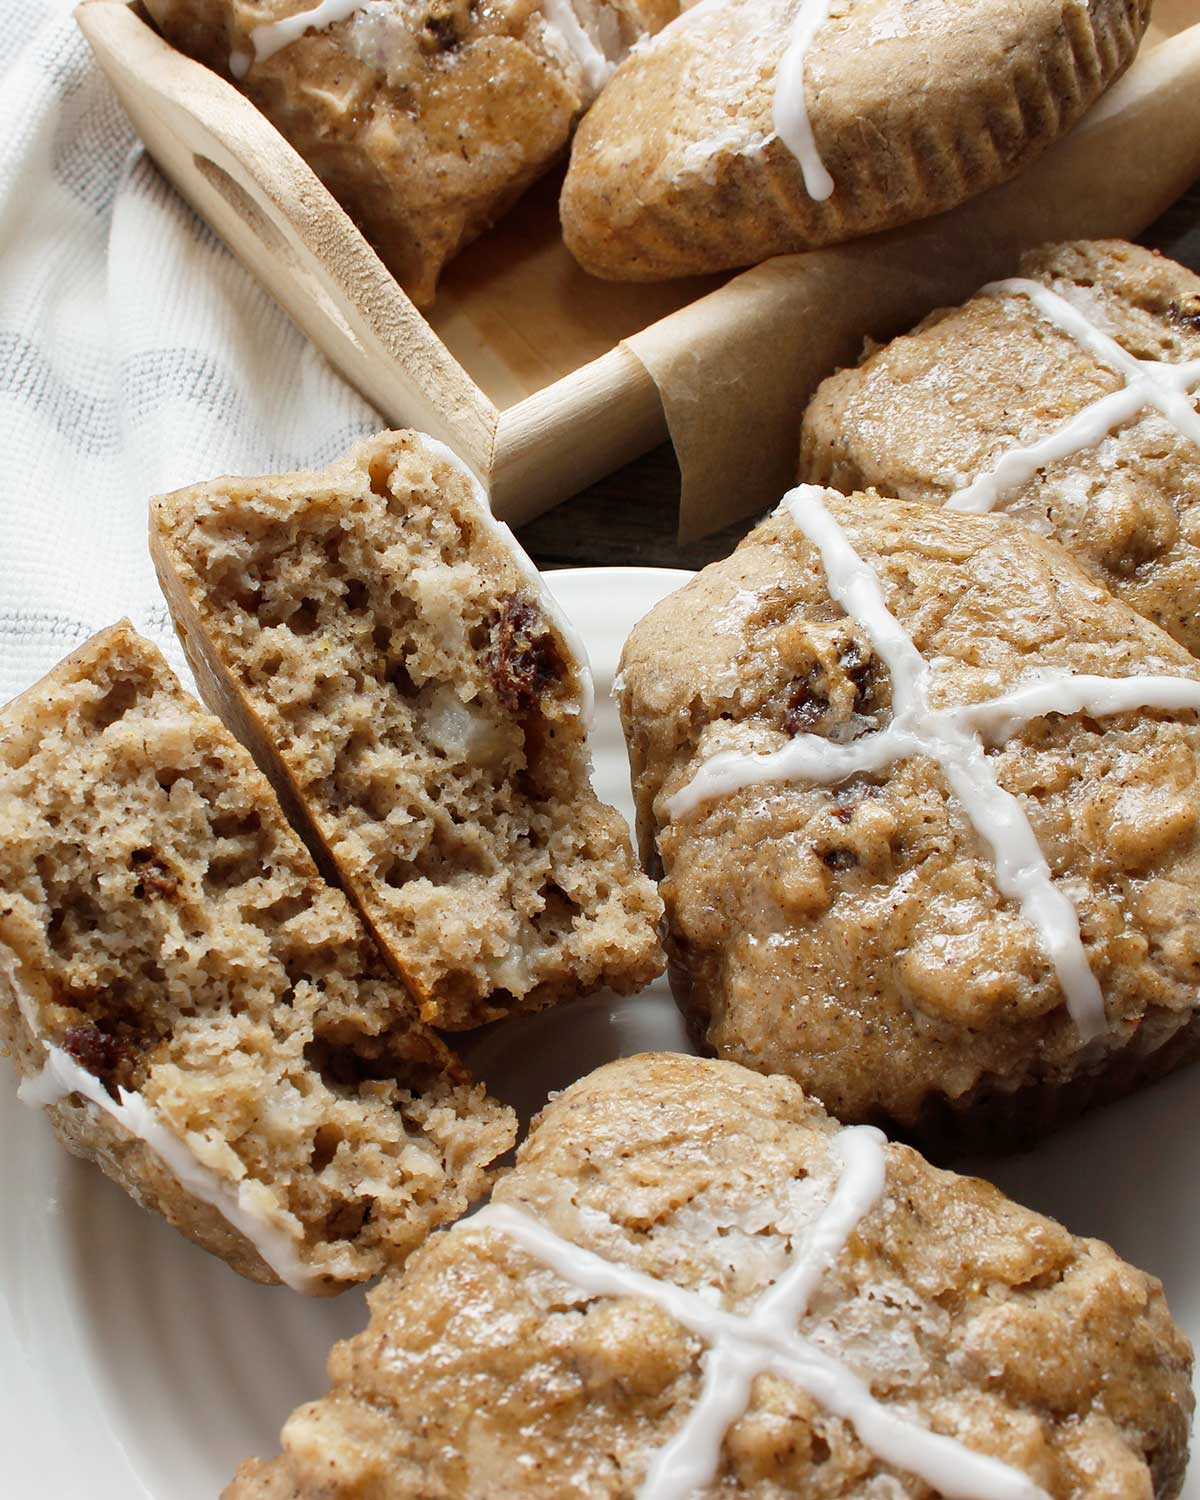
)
(629, 517)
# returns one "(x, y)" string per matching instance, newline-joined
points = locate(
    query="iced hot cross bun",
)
(426, 119)
(926, 803)
(696, 1284)
(749, 128)
(1066, 397)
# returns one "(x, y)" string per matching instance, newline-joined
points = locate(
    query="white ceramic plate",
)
(133, 1365)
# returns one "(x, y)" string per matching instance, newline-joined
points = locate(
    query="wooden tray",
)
(523, 366)
(518, 366)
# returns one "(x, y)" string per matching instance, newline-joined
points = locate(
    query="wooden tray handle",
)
(242, 177)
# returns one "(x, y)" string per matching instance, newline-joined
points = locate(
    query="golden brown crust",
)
(163, 929)
(924, 415)
(426, 121)
(395, 671)
(990, 1118)
(854, 936)
(256, 1480)
(677, 168)
(480, 1372)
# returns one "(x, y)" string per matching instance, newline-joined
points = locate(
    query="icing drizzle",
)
(594, 66)
(951, 738)
(741, 1347)
(61, 1075)
(274, 36)
(789, 104)
(1148, 382)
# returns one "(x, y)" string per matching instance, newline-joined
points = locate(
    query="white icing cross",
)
(742, 1347)
(789, 104)
(1148, 382)
(951, 738)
